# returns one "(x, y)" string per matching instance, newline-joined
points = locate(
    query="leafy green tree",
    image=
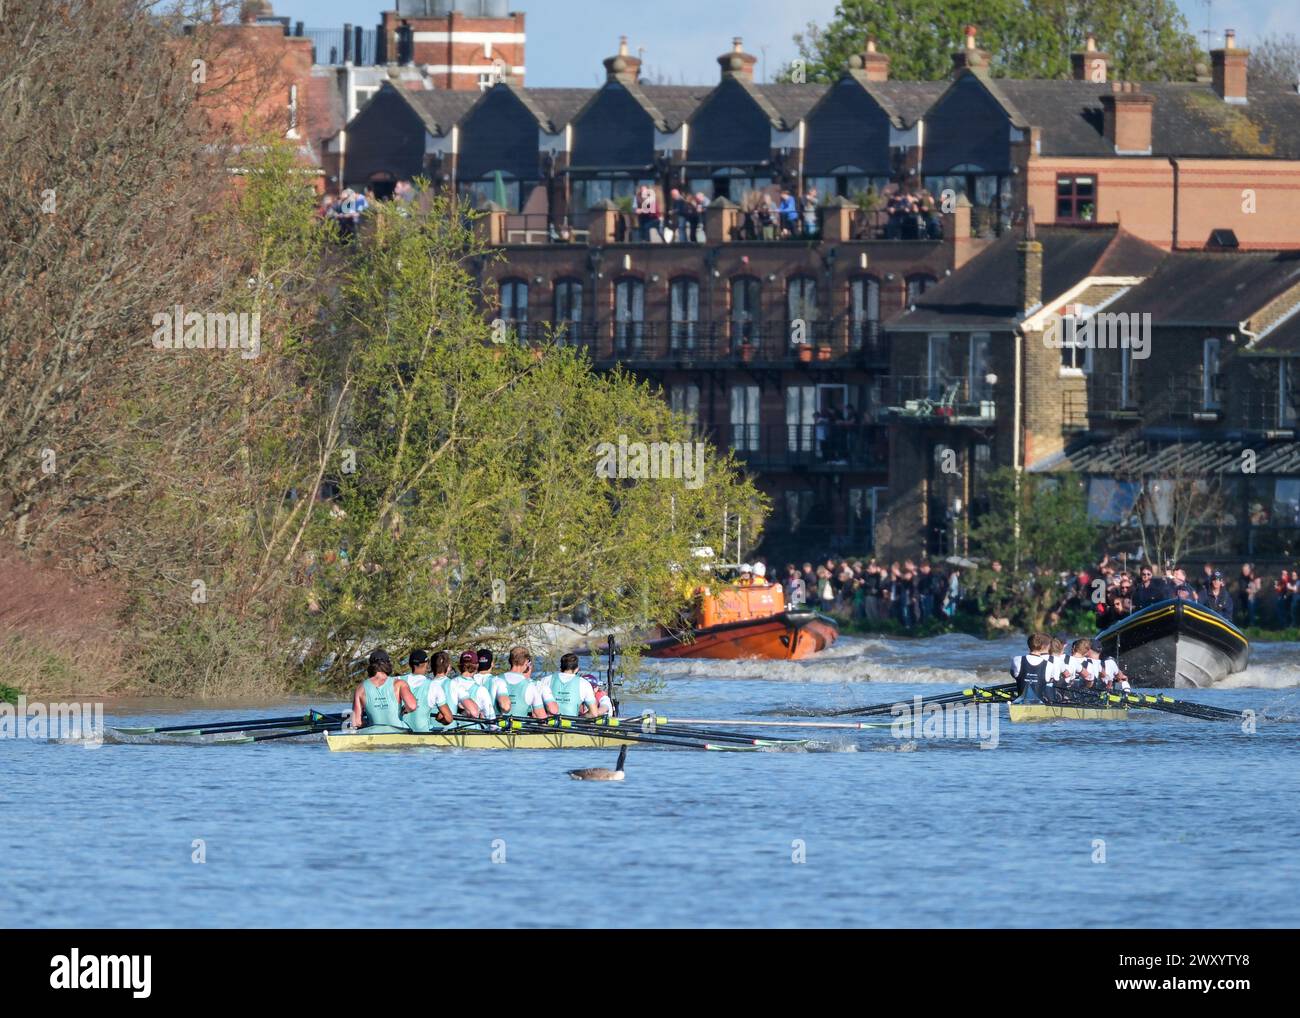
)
(473, 503)
(1148, 40)
(1039, 529)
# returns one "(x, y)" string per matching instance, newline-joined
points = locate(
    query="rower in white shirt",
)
(490, 692)
(1037, 671)
(1103, 673)
(525, 695)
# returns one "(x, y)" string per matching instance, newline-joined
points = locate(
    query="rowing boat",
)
(1056, 712)
(471, 739)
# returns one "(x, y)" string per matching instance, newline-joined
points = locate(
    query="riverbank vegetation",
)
(383, 466)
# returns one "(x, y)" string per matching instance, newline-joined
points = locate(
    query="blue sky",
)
(567, 39)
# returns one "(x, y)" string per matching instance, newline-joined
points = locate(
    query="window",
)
(484, 190)
(980, 367)
(1076, 198)
(864, 313)
(629, 315)
(586, 193)
(938, 365)
(685, 399)
(798, 509)
(746, 308)
(1126, 385)
(744, 418)
(1112, 501)
(800, 408)
(801, 308)
(734, 183)
(917, 285)
(1076, 349)
(1211, 396)
(514, 307)
(1286, 502)
(568, 302)
(684, 301)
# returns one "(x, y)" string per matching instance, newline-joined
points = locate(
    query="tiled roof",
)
(1211, 287)
(982, 293)
(439, 109)
(1172, 459)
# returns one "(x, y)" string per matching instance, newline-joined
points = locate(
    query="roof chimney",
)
(1091, 64)
(870, 63)
(1229, 69)
(1126, 118)
(623, 67)
(970, 55)
(737, 63)
(1029, 264)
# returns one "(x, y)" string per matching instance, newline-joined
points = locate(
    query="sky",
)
(681, 39)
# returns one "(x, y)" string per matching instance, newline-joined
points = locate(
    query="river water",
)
(1157, 821)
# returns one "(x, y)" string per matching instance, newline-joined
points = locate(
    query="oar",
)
(662, 726)
(954, 696)
(296, 735)
(850, 725)
(537, 725)
(311, 717)
(1169, 705)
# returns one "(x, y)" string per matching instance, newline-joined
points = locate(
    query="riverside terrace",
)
(1173, 161)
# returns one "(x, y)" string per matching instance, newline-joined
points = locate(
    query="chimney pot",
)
(970, 36)
(871, 44)
(1091, 44)
(622, 45)
(1230, 38)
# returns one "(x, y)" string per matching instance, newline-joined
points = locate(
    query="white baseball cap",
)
(760, 569)
(745, 567)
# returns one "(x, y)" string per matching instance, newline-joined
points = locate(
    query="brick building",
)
(1056, 198)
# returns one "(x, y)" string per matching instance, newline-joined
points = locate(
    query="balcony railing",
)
(766, 343)
(932, 400)
(809, 446)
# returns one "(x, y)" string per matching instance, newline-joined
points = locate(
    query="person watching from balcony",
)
(679, 208)
(789, 214)
(647, 213)
(809, 206)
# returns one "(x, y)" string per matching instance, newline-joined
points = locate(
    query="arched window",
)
(684, 312)
(566, 312)
(864, 313)
(746, 309)
(801, 308)
(629, 315)
(514, 306)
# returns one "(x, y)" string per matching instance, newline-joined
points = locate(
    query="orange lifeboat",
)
(748, 621)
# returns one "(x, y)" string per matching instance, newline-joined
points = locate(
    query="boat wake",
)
(953, 659)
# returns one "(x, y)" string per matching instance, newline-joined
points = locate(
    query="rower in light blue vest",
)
(489, 690)
(379, 700)
(527, 697)
(458, 690)
(573, 694)
(430, 698)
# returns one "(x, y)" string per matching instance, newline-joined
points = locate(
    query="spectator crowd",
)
(914, 591)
